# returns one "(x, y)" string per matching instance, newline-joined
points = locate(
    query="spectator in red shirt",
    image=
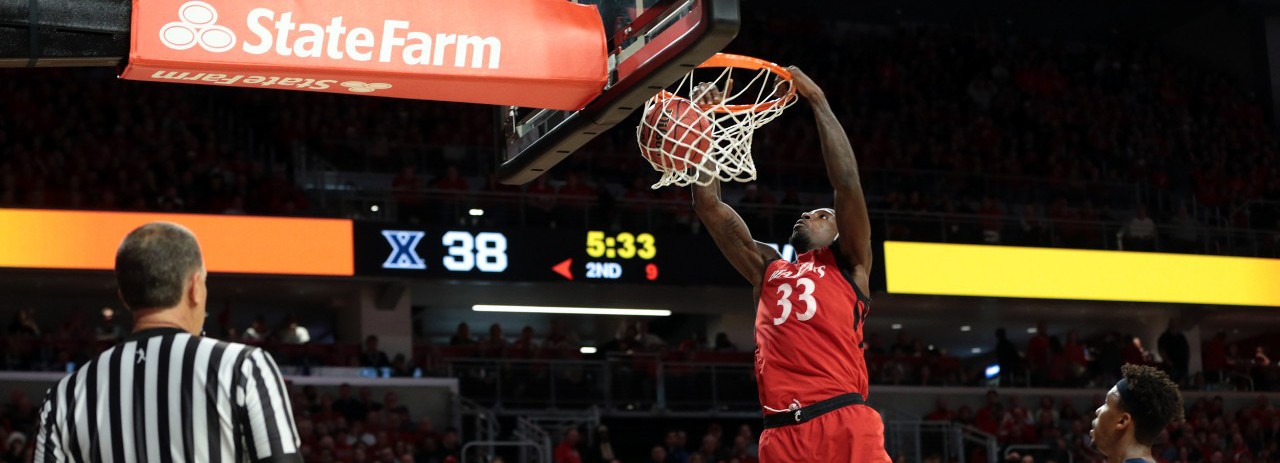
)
(1262, 411)
(567, 451)
(495, 345)
(1058, 364)
(406, 188)
(940, 412)
(451, 181)
(710, 450)
(1016, 428)
(740, 452)
(1239, 450)
(524, 346)
(406, 185)
(449, 445)
(988, 417)
(1046, 409)
(1214, 357)
(1076, 361)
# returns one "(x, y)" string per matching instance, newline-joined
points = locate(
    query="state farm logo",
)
(264, 31)
(195, 26)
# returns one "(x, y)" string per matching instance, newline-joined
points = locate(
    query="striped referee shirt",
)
(164, 396)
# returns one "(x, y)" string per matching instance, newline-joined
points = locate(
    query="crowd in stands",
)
(1013, 131)
(357, 428)
(84, 140)
(674, 446)
(1019, 136)
(714, 447)
(347, 427)
(29, 346)
(1209, 433)
(351, 426)
(1049, 358)
(952, 120)
(1080, 361)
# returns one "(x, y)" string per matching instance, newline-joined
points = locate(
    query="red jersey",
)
(809, 331)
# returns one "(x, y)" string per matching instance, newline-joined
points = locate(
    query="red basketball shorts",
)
(850, 434)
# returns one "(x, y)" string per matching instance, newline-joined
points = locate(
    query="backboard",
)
(652, 44)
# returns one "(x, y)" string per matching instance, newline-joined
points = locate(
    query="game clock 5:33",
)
(623, 245)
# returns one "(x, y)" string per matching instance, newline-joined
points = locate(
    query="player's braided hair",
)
(1152, 399)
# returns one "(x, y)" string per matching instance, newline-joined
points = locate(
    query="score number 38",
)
(624, 245)
(485, 251)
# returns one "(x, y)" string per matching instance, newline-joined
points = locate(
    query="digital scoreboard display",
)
(532, 254)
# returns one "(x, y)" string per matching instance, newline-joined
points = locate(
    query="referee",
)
(166, 394)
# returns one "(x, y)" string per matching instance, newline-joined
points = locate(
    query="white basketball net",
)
(728, 155)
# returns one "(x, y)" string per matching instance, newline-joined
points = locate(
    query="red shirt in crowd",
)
(565, 453)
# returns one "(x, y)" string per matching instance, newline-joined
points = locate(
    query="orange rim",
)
(726, 60)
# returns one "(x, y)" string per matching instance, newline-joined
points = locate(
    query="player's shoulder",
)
(768, 252)
(849, 271)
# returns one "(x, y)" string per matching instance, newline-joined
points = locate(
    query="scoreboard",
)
(535, 254)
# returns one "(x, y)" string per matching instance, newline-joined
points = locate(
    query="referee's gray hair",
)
(154, 262)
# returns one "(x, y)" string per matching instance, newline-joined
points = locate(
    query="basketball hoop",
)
(701, 143)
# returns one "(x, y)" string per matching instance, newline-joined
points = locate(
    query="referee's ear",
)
(197, 295)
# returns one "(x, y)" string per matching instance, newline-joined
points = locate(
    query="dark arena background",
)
(458, 281)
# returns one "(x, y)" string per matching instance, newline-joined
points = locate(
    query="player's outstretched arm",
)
(842, 170)
(748, 256)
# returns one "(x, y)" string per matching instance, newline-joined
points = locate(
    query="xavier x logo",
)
(403, 255)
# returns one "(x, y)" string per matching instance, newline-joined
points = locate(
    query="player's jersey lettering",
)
(800, 269)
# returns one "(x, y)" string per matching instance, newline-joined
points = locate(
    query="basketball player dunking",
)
(809, 314)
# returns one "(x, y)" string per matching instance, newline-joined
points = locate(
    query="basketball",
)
(675, 134)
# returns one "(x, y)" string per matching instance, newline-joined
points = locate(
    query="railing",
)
(640, 384)
(1038, 450)
(974, 436)
(901, 434)
(528, 431)
(492, 444)
(916, 440)
(486, 423)
(557, 423)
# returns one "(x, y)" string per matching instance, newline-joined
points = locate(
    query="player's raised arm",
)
(842, 170)
(748, 256)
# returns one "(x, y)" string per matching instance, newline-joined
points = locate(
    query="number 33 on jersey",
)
(784, 301)
(808, 330)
